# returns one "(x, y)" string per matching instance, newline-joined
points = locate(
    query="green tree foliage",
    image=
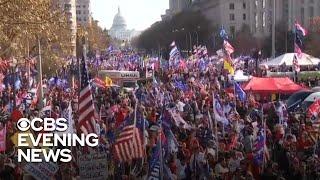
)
(180, 28)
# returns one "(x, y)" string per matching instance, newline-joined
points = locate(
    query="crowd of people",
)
(191, 127)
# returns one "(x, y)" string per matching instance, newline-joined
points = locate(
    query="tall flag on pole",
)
(228, 47)
(129, 144)
(227, 63)
(300, 32)
(174, 53)
(86, 121)
(295, 64)
(239, 92)
(297, 50)
(173, 44)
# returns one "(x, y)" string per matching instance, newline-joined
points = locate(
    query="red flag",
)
(16, 115)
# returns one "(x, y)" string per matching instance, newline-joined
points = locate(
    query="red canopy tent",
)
(268, 85)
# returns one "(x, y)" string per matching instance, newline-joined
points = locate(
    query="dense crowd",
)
(176, 110)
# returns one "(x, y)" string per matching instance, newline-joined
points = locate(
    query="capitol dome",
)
(118, 22)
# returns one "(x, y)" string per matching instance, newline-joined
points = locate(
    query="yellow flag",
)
(228, 66)
(14, 138)
(108, 81)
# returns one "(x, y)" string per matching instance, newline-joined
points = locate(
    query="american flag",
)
(174, 53)
(228, 47)
(297, 50)
(300, 30)
(129, 144)
(86, 121)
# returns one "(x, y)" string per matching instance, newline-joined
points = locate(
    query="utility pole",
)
(274, 30)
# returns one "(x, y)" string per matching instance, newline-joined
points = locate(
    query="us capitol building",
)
(119, 29)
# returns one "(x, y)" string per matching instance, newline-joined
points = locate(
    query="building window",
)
(256, 21)
(311, 1)
(256, 3)
(263, 19)
(231, 6)
(244, 5)
(231, 17)
(302, 15)
(311, 12)
(244, 17)
(67, 7)
(263, 4)
(84, 6)
(232, 30)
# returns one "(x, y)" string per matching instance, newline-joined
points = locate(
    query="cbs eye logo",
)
(23, 124)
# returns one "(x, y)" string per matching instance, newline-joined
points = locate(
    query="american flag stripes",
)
(228, 48)
(300, 30)
(86, 121)
(129, 144)
(174, 53)
(297, 50)
(4, 65)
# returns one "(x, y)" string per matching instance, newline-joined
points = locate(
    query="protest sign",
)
(93, 166)
(42, 171)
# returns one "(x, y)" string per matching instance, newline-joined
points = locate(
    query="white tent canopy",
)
(240, 77)
(287, 59)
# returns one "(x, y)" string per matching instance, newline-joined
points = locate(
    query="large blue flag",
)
(223, 34)
(239, 92)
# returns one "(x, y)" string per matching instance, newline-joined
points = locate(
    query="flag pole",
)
(235, 104)
(216, 129)
(264, 139)
(40, 75)
(161, 155)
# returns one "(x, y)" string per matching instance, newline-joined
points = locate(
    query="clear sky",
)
(139, 14)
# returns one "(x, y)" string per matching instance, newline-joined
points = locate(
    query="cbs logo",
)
(47, 124)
